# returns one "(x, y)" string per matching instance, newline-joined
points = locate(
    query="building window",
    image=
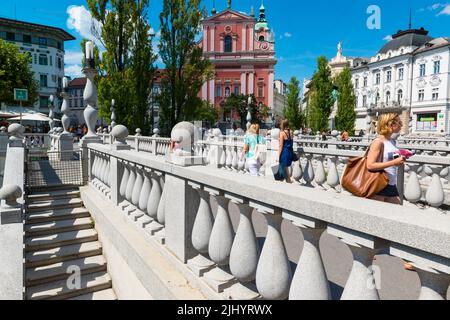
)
(27, 39)
(43, 102)
(389, 76)
(401, 73)
(35, 59)
(59, 63)
(30, 56)
(364, 101)
(43, 59)
(218, 91)
(51, 60)
(422, 70)
(59, 45)
(42, 41)
(60, 83)
(237, 90)
(437, 67)
(10, 36)
(377, 78)
(421, 95)
(356, 83)
(43, 80)
(377, 98)
(228, 44)
(260, 91)
(400, 96)
(365, 82)
(261, 38)
(356, 101)
(426, 122)
(227, 92)
(388, 97)
(435, 94)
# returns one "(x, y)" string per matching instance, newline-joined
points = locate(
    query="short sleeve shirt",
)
(252, 140)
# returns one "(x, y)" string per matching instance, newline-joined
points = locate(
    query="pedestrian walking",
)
(286, 153)
(253, 149)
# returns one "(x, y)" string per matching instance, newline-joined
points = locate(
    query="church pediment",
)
(229, 15)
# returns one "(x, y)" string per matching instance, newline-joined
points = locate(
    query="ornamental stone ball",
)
(3, 129)
(183, 135)
(16, 130)
(120, 133)
(296, 133)
(10, 193)
(138, 132)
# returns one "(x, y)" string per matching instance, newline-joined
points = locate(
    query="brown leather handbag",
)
(361, 182)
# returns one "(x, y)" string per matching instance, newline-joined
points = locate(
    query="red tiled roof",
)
(78, 82)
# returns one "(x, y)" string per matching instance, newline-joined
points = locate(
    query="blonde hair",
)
(384, 123)
(285, 124)
(254, 129)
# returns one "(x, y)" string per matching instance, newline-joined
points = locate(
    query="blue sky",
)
(304, 29)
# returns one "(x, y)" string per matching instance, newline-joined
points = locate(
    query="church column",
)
(205, 39)
(211, 91)
(251, 83)
(252, 38)
(234, 43)
(270, 84)
(221, 44)
(244, 83)
(212, 47)
(244, 38)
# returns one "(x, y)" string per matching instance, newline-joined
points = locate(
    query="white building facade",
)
(409, 76)
(45, 45)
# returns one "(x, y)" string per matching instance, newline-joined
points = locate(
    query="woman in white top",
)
(388, 125)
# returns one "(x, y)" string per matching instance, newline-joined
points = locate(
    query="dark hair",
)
(285, 124)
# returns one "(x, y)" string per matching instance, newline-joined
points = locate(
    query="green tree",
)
(126, 69)
(346, 114)
(292, 110)
(322, 100)
(239, 103)
(15, 72)
(186, 68)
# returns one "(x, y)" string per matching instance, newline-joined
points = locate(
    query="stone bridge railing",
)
(174, 204)
(38, 140)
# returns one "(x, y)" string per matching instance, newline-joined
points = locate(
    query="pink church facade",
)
(242, 50)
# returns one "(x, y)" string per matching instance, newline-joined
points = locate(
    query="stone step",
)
(60, 254)
(108, 294)
(54, 205)
(55, 215)
(59, 290)
(62, 270)
(60, 226)
(60, 239)
(53, 195)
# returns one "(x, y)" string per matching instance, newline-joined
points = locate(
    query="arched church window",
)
(228, 44)
(377, 98)
(400, 96)
(227, 92)
(388, 97)
(261, 38)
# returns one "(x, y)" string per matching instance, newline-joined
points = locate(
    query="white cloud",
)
(73, 71)
(287, 34)
(80, 20)
(387, 38)
(73, 57)
(445, 11)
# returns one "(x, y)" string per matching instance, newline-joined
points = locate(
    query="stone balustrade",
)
(37, 140)
(230, 260)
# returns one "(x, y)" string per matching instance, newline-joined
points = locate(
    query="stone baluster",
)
(273, 273)
(242, 160)
(144, 220)
(94, 166)
(333, 179)
(161, 208)
(201, 233)
(229, 158)
(435, 194)
(320, 176)
(245, 251)
(155, 203)
(308, 173)
(136, 194)
(223, 157)
(297, 171)
(130, 184)
(413, 191)
(124, 182)
(310, 280)
(234, 162)
(363, 280)
(101, 169)
(433, 271)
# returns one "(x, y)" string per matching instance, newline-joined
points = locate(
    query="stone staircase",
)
(60, 241)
